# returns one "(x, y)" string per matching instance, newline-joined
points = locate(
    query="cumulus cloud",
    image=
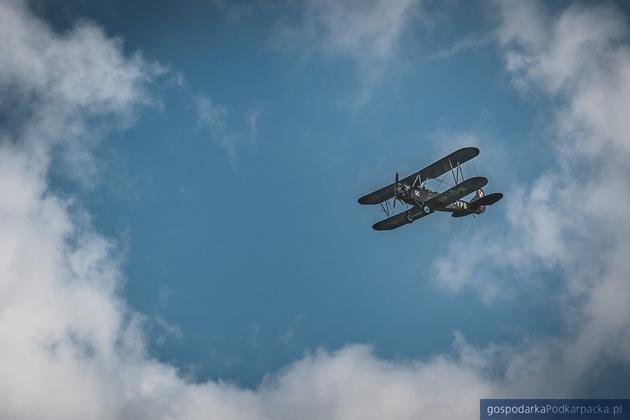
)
(570, 219)
(57, 88)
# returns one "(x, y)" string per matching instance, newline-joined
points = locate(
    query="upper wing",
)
(430, 172)
(453, 194)
(400, 219)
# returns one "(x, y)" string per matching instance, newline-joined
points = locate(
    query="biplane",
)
(421, 201)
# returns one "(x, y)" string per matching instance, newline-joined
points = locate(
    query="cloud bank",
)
(72, 348)
(572, 219)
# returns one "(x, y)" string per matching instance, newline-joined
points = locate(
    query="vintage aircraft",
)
(411, 190)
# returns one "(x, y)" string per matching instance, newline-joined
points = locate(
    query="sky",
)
(179, 214)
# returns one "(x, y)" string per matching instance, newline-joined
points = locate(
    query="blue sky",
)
(217, 177)
(262, 255)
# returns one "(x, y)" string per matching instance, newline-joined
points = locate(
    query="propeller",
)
(396, 189)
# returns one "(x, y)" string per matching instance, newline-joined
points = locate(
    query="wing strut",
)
(385, 207)
(456, 171)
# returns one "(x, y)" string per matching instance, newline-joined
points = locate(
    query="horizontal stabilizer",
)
(487, 200)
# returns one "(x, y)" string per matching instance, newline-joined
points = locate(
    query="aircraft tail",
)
(476, 205)
(481, 200)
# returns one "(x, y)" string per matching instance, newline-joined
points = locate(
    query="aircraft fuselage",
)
(418, 196)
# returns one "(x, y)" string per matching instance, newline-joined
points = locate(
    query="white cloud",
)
(215, 118)
(469, 42)
(572, 218)
(76, 79)
(367, 32)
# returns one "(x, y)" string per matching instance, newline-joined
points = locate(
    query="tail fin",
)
(476, 205)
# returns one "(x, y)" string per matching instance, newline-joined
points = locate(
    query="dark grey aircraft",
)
(421, 201)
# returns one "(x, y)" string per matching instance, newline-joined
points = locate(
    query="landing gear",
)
(426, 209)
